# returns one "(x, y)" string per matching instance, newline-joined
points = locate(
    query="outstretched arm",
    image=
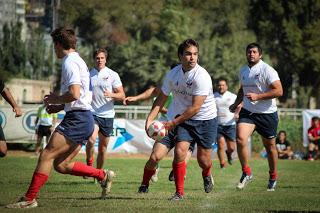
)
(151, 92)
(8, 97)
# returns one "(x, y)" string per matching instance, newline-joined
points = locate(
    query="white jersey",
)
(105, 79)
(75, 71)
(257, 79)
(185, 85)
(223, 102)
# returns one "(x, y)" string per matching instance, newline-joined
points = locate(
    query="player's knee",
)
(60, 167)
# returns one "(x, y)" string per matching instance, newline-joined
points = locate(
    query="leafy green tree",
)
(288, 30)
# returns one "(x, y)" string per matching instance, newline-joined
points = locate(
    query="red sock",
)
(147, 174)
(273, 175)
(38, 180)
(179, 171)
(207, 172)
(81, 169)
(90, 161)
(247, 170)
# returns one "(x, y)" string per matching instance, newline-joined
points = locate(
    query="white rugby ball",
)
(157, 130)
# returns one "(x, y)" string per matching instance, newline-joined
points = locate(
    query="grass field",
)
(298, 188)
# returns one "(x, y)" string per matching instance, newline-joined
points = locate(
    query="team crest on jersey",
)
(105, 78)
(189, 83)
(256, 76)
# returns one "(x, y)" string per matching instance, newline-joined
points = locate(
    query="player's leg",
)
(221, 150)
(206, 135)
(179, 168)
(39, 140)
(205, 163)
(3, 148)
(271, 149)
(90, 146)
(56, 147)
(102, 150)
(3, 144)
(188, 157)
(244, 131)
(105, 131)
(230, 141)
(159, 151)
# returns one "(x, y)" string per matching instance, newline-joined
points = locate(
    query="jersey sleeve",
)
(271, 75)
(166, 85)
(117, 81)
(203, 85)
(72, 74)
(1, 85)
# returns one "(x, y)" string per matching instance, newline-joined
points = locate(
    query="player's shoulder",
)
(216, 95)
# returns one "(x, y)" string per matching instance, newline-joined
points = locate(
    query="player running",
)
(260, 86)
(76, 127)
(226, 122)
(106, 88)
(194, 113)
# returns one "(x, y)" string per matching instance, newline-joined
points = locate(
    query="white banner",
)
(307, 115)
(128, 135)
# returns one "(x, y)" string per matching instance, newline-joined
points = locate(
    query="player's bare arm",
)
(117, 94)
(238, 101)
(156, 108)
(71, 95)
(151, 92)
(274, 92)
(197, 102)
(8, 97)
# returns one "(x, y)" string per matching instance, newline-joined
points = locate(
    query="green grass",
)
(298, 188)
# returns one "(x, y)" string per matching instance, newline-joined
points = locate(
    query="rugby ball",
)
(157, 130)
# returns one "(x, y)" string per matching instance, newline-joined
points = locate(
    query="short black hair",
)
(187, 43)
(222, 79)
(254, 45)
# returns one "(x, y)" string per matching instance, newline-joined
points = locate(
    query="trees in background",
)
(142, 38)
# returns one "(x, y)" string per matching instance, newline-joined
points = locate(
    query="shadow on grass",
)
(99, 198)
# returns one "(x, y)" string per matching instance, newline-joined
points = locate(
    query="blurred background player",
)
(106, 88)
(283, 146)
(226, 122)
(260, 86)
(194, 114)
(45, 124)
(5, 93)
(76, 126)
(314, 138)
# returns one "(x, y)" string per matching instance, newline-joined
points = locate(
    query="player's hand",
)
(18, 111)
(233, 108)
(252, 96)
(51, 99)
(129, 99)
(108, 94)
(169, 125)
(54, 108)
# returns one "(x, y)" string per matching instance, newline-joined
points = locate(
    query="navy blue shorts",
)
(77, 126)
(44, 131)
(266, 124)
(105, 125)
(170, 141)
(200, 132)
(228, 132)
